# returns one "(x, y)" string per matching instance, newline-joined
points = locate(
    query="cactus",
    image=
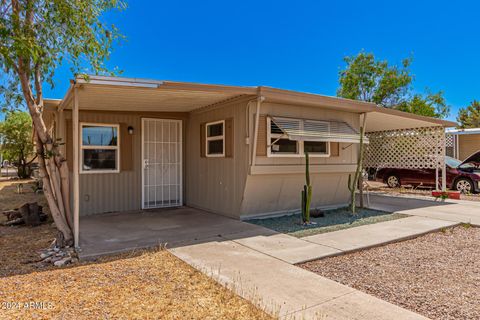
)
(352, 188)
(352, 184)
(306, 193)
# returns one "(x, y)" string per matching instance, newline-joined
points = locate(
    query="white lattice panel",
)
(449, 140)
(421, 148)
(450, 145)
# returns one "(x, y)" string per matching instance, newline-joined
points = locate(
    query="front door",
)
(162, 163)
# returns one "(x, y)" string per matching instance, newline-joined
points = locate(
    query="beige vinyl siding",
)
(280, 193)
(468, 144)
(216, 183)
(111, 192)
(277, 189)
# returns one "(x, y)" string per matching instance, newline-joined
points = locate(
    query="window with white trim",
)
(215, 139)
(281, 146)
(99, 147)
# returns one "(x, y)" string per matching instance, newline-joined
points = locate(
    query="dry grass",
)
(436, 275)
(142, 285)
(10, 199)
(19, 247)
(152, 285)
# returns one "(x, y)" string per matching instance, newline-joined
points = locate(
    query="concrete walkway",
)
(460, 211)
(378, 234)
(283, 289)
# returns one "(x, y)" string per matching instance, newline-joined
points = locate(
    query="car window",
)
(470, 165)
(452, 163)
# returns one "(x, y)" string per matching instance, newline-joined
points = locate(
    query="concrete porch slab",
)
(119, 232)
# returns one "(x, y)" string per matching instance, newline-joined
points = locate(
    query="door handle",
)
(145, 163)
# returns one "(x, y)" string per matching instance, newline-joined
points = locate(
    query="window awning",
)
(317, 130)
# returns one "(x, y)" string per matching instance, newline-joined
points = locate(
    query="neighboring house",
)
(462, 143)
(237, 151)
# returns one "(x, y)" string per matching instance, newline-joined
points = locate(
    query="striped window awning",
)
(317, 130)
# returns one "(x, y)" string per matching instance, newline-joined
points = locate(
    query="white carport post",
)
(76, 168)
(444, 167)
(441, 164)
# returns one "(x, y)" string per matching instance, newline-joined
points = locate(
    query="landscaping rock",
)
(62, 262)
(317, 214)
(58, 256)
(45, 255)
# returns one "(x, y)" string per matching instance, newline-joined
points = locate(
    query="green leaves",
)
(367, 79)
(469, 117)
(430, 105)
(374, 81)
(16, 136)
(44, 34)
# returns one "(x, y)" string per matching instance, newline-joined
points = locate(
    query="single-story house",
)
(135, 144)
(462, 143)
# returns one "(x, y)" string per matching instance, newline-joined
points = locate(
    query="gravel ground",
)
(333, 220)
(436, 275)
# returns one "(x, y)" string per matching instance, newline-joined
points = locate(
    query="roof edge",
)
(443, 123)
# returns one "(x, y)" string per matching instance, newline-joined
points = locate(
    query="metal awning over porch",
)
(101, 93)
(315, 130)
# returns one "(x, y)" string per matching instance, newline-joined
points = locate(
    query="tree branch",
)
(29, 162)
(38, 85)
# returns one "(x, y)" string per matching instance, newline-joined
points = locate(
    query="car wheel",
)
(393, 181)
(464, 185)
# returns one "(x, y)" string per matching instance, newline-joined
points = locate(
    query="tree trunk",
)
(54, 195)
(52, 165)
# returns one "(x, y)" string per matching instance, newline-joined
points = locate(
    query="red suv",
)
(462, 176)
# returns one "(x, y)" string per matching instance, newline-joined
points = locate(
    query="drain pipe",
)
(260, 99)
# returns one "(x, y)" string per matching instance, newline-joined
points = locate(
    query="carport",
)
(407, 142)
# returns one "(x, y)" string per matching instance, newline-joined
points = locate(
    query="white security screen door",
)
(162, 163)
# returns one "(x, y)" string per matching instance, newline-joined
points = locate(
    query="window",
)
(279, 142)
(215, 139)
(99, 148)
(315, 147)
(281, 146)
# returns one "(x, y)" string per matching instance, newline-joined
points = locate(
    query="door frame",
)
(180, 122)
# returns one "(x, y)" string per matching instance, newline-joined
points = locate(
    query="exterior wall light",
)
(130, 130)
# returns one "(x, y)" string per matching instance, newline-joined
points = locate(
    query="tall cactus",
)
(306, 192)
(352, 184)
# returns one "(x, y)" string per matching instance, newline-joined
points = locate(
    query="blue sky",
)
(297, 45)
